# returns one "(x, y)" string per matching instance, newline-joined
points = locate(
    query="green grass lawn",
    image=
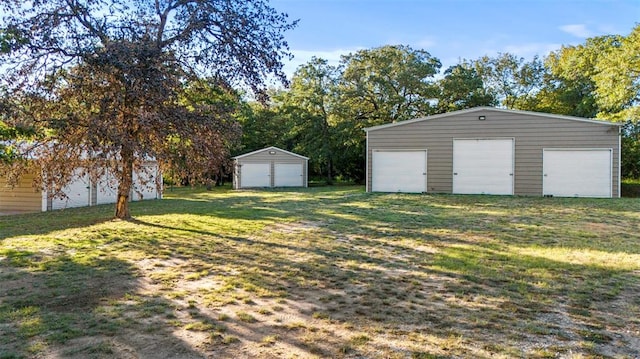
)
(324, 272)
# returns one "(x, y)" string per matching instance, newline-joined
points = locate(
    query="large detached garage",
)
(270, 167)
(486, 150)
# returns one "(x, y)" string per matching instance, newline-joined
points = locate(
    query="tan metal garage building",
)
(487, 150)
(270, 167)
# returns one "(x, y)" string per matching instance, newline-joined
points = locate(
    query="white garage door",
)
(107, 191)
(399, 171)
(255, 175)
(483, 166)
(288, 175)
(77, 194)
(144, 183)
(577, 173)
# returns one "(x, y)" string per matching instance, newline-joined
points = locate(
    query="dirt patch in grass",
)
(328, 273)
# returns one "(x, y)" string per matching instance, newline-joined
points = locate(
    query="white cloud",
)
(577, 30)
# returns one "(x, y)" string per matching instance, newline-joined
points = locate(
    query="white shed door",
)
(399, 171)
(288, 175)
(255, 175)
(483, 166)
(77, 194)
(577, 173)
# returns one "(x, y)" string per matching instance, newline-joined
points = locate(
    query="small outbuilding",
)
(486, 150)
(270, 167)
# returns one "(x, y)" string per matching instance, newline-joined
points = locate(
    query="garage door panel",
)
(77, 194)
(107, 189)
(288, 175)
(255, 175)
(483, 166)
(399, 171)
(577, 173)
(144, 183)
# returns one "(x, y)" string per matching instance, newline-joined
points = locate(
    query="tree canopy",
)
(510, 78)
(105, 82)
(462, 87)
(322, 115)
(105, 86)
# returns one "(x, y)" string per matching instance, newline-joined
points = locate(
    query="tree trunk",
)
(124, 186)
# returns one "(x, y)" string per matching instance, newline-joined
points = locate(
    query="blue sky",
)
(450, 30)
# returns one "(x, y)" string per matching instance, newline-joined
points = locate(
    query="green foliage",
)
(382, 85)
(13, 134)
(9, 136)
(569, 86)
(463, 88)
(105, 82)
(618, 79)
(437, 275)
(631, 149)
(600, 78)
(388, 84)
(12, 39)
(511, 79)
(324, 112)
(309, 107)
(262, 126)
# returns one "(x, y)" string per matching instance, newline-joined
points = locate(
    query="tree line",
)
(97, 88)
(323, 113)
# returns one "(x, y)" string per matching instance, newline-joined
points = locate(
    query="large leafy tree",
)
(597, 79)
(381, 85)
(104, 81)
(617, 79)
(511, 79)
(310, 104)
(389, 84)
(631, 149)
(263, 125)
(463, 88)
(569, 86)
(617, 92)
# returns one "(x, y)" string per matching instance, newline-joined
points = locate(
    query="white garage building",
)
(80, 192)
(270, 167)
(486, 150)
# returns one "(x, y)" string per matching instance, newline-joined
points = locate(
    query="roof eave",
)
(485, 108)
(267, 149)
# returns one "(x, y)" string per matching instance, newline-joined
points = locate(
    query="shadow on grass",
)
(47, 222)
(71, 306)
(466, 289)
(356, 263)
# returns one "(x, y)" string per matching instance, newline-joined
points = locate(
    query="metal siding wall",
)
(22, 197)
(531, 133)
(265, 157)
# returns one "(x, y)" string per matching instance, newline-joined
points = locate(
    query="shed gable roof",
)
(484, 108)
(271, 148)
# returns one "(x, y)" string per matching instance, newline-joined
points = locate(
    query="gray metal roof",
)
(268, 149)
(485, 108)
